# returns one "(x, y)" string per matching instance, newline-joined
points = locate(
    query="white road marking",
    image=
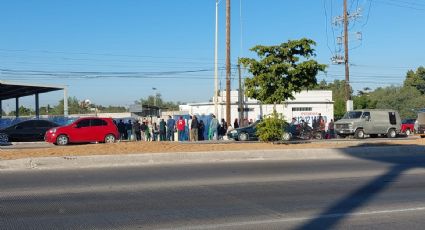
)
(296, 219)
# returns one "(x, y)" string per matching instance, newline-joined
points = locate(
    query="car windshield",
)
(352, 115)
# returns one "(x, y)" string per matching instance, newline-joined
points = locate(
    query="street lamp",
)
(154, 100)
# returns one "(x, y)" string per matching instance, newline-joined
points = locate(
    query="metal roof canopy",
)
(9, 90)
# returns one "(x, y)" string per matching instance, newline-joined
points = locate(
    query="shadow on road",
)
(342, 208)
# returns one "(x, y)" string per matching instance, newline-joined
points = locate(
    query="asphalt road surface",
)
(374, 193)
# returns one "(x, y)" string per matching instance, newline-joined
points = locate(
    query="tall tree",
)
(338, 95)
(281, 70)
(416, 79)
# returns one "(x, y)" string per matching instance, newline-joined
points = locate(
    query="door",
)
(98, 129)
(367, 123)
(23, 131)
(80, 131)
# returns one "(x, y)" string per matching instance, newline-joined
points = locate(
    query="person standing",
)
(189, 128)
(223, 129)
(171, 123)
(236, 123)
(148, 131)
(129, 129)
(213, 128)
(162, 130)
(194, 129)
(181, 126)
(201, 129)
(331, 128)
(321, 125)
(155, 132)
(136, 130)
(121, 130)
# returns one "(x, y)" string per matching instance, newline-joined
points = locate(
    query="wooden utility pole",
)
(240, 96)
(347, 67)
(228, 62)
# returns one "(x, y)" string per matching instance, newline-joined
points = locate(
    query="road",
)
(378, 193)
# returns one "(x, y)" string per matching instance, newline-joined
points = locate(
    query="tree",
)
(338, 95)
(158, 101)
(281, 71)
(23, 111)
(416, 79)
(74, 107)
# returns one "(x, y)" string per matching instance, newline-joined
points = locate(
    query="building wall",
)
(306, 105)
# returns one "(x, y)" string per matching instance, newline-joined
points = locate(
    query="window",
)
(366, 114)
(83, 123)
(301, 109)
(98, 122)
(43, 123)
(393, 119)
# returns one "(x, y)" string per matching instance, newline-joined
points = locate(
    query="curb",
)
(102, 161)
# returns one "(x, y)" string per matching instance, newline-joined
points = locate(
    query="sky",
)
(115, 52)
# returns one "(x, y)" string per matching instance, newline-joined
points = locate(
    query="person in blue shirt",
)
(171, 123)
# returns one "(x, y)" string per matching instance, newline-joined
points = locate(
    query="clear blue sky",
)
(130, 46)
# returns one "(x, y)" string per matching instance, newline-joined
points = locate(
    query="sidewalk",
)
(99, 161)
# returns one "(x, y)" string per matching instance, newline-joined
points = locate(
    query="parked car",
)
(420, 123)
(30, 130)
(408, 126)
(245, 133)
(371, 122)
(84, 130)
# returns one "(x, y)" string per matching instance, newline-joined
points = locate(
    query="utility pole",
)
(240, 96)
(228, 62)
(215, 60)
(340, 59)
(347, 68)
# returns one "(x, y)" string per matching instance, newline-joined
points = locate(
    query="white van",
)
(372, 122)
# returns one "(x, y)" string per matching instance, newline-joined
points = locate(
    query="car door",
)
(40, 128)
(368, 123)
(22, 131)
(80, 131)
(98, 128)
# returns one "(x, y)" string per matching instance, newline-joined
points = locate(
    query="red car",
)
(87, 129)
(408, 126)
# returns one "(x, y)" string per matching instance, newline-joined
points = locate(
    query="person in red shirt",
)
(181, 124)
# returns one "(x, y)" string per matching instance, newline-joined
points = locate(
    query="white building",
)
(306, 105)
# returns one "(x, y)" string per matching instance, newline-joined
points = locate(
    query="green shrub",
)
(271, 127)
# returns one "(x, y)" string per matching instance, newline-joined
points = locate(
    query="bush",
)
(271, 128)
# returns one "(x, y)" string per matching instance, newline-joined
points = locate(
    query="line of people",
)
(194, 130)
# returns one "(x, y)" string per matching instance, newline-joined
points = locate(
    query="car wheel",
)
(62, 140)
(286, 136)
(243, 136)
(408, 132)
(391, 133)
(359, 134)
(109, 138)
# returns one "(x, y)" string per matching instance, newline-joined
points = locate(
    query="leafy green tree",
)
(363, 100)
(23, 111)
(281, 71)
(158, 101)
(271, 128)
(74, 107)
(338, 95)
(407, 100)
(112, 109)
(416, 79)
